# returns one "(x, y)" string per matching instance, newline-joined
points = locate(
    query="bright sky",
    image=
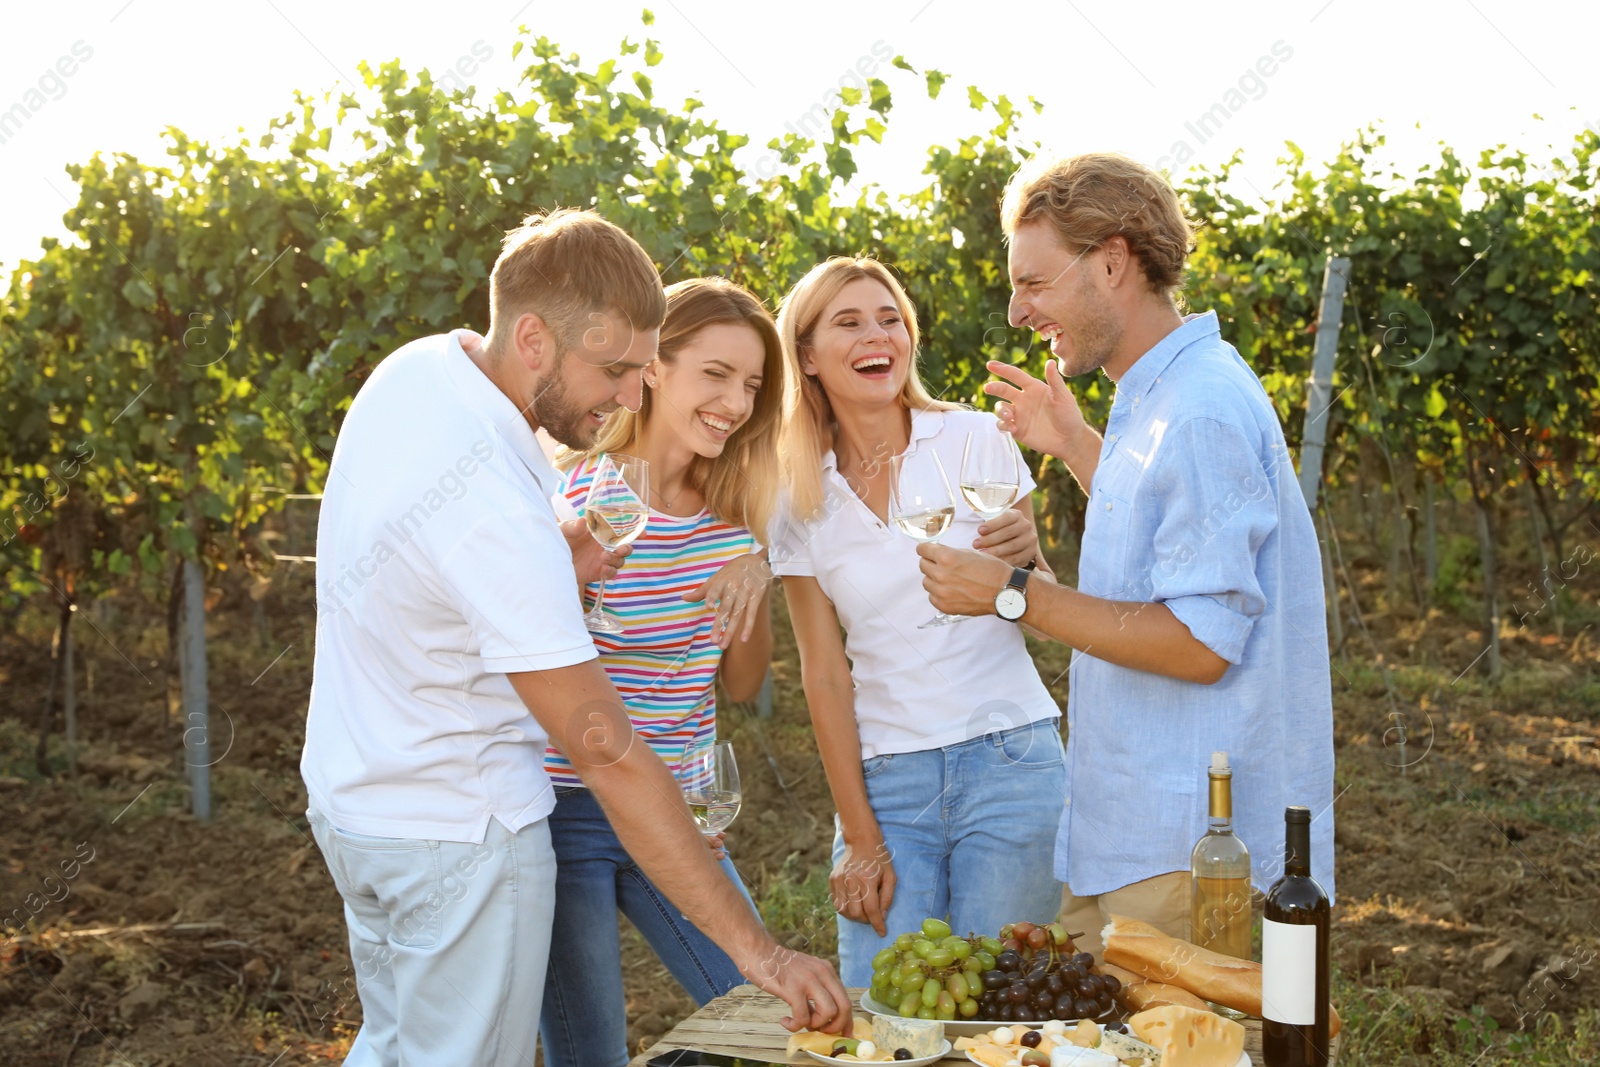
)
(1131, 77)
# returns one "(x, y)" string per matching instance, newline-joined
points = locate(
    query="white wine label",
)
(1288, 973)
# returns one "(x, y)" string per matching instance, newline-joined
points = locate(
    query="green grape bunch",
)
(1029, 973)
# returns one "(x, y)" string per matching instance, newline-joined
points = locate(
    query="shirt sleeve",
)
(789, 544)
(510, 575)
(1216, 507)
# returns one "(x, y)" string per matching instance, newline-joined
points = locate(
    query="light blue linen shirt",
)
(1195, 505)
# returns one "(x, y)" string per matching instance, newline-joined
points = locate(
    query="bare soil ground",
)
(1468, 870)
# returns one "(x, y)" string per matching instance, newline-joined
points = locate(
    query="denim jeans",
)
(585, 1020)
(449, 942)
(970, 830)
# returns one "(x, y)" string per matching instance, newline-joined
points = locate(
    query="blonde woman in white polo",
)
(941, 745)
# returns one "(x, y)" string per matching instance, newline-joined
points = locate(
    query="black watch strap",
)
(1019, 578)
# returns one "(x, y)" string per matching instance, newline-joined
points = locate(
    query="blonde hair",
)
(808, 417)
(567, 266)
(1091, 198)
(741, 485)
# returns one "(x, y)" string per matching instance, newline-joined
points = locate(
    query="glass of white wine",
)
(709, 778)
(990, 472)
(921, 504)
(615, 511)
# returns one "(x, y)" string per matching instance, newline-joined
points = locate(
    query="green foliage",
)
(186, 357)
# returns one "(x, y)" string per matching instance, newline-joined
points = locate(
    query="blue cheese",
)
(1128, 1049)
(920, 1037)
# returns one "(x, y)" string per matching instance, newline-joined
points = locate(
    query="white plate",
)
(1244, 1057)
(923, 1061)
(952, 1027)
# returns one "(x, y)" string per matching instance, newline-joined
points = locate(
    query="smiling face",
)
(600, 374)
(708, 389)
(1056, 293)
(859, 351)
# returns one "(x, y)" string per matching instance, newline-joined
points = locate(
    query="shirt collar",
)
(496, 409)
(925, 423)
(1148, 368)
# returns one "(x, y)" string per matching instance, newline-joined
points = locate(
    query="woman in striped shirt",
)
(693, 598)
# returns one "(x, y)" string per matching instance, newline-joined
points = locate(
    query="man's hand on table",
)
(817, 999)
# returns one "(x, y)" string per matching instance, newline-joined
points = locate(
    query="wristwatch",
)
(1011, 603)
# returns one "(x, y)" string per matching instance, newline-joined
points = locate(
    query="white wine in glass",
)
(615, 511)
(709, 777)
(990, 472)
(921, 504)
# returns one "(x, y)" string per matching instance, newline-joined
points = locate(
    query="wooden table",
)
(744, 1024)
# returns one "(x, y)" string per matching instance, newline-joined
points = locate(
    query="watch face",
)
(1010, 603)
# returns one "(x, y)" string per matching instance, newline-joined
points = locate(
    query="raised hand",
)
(1043, 415)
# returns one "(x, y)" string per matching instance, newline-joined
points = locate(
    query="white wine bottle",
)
(1294, 957)
(1219, 874)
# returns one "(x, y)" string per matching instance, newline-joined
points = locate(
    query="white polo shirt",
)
(915, 689)
(440, 569)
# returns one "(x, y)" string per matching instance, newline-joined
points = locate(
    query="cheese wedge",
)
(1189, 1038)
(811, 1041)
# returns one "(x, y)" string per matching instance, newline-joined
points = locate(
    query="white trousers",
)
(449, 943)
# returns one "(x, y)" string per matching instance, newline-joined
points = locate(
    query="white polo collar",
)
(496, 409)
(925, 423)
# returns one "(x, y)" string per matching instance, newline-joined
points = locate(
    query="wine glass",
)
(990, 473)
(921, 504)
(615, 511)
(709, 778)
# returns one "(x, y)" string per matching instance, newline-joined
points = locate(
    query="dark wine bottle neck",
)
(1298, 844)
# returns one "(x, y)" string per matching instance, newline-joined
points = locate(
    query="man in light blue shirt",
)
(1198, 623)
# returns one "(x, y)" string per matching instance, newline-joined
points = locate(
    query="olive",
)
(1032, 1038)
(902, 1054)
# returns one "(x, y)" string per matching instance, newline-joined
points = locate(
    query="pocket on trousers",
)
(875, 765)
(404, 880)
(1036, 746)
(367, 842)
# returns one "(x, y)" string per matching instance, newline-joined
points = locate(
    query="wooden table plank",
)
(745, 1024)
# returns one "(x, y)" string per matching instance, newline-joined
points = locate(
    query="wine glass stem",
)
(599, 598)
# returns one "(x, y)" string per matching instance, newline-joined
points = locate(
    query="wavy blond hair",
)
(809, 423)
(741, 485)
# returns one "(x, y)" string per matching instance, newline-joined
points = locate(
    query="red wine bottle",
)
(1294, 957)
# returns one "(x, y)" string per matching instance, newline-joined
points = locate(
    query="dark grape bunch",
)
(1028, 974)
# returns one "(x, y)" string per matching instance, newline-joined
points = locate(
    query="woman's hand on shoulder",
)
(736, 593)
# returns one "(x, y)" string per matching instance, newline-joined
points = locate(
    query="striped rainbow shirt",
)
(665, 665)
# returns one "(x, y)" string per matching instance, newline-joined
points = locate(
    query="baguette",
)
(1226, 980)
(1138, 992)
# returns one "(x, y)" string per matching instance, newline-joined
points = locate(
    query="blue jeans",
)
(584, 1022)
(970, 830)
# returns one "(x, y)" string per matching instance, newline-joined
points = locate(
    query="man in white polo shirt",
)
(447, 612)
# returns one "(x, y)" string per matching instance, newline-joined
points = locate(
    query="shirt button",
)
(1136, 400)
(1108, 505)
(1111, 437)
